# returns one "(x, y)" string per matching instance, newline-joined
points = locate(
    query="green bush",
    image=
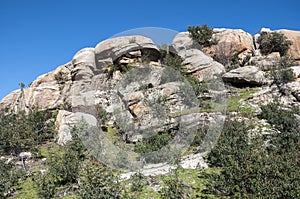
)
(123, 68)
(173, 61)
(202, 35)
(60, 77)
(101, 114)
(99, 182)
(20, 132)
(273, 42)
(8, 178)
(250, 168)
(283, 76)
(153, 143)
(174, 187)
(281, 73)
(46, 186)
(283, 120)
(63, 168)
(137, 182)
(156, 149)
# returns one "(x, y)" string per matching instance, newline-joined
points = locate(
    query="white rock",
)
(65, 121)
(195, 61)
(245, 76)
(296, 71)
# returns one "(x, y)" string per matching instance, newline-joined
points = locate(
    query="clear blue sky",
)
(38, 35)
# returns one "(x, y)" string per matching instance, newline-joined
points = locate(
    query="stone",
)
(293, 36)
(115, 48)
(66, 120)
(294, 88)
(245, 76)
(195, 61)
(85, 56)
(296, 71)
(230, 42)
(266, 95)
(46, 92)
(265, 62)
(25, 155)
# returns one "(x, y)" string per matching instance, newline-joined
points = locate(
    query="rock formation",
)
(151, 94)
(247, 75)
(231, 42)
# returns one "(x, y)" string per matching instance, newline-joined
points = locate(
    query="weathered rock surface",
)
(293, 36)
(46, 92)
(245, 76)
(296, 71)
(265, 62)
(195, 61)
(65, 121)
(294, 88)
(272, 94)
(231, 42)
(116, 48)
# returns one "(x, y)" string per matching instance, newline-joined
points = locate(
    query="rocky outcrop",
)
(294, 89)
(46, 92)
(245, 76)
(195, 61)
(293, 36)
(274, 94)
(265, 62)
(296, 71)
(129, 46)
(65, 122)
(231, 42)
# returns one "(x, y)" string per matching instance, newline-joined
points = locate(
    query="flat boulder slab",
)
(245, 76)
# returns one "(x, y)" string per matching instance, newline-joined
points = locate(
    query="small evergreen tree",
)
(174, 187)
(202, 35)
(273, 42)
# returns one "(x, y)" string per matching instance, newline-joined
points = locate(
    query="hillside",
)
(215, 114)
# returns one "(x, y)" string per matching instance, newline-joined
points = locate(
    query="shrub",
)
(123, 68)
(155, 149)
(63, 168)
(99, 182)
(60, 77)
(173, 61)
(8, 178)
(138, 184)
(251, 169)
(273, 42)
(20, 132)
(283, 76)
(174, 187)
(153, 143)
(280, 72)
(202, 35)
(283, 120)
(101, 114)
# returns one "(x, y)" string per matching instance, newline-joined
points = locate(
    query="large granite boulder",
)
(245, 76)
(194, 60)
(65, 122)
(293, 36)
(231, 42)
(115, 48)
